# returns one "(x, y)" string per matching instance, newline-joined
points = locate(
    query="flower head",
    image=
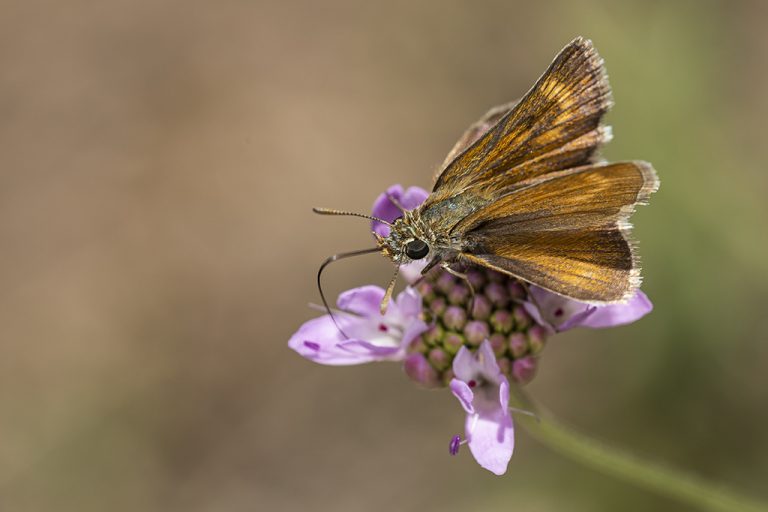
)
(446, 336)
(456, 319)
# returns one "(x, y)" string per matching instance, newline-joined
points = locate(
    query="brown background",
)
(158, 164)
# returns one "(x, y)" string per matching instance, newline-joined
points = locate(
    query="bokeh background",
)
(159, 161)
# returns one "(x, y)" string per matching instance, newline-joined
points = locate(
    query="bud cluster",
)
(457, 319)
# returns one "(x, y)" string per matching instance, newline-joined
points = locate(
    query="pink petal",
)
(535, 313)
(413, 197)
(412, 330)
(620, 314)
(504, 393)
(491, 439)
(420, 370)
(408, 304)
(385, 210)
(552, 310)
(561, 314)
(486, 360)
(578, 319)
(318, 340)
(464, 393)
(368, 350)
(364, 301)
(411, 272)
(464, 365)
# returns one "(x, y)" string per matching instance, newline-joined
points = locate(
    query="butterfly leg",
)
(447, 267)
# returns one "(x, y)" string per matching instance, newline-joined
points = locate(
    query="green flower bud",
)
(418, 345)
(455, 318)
(476, 332)
(505, 365)
(498, 342)
(459, 294)
(445, 282)
(516, 290)
(426, 290)
(537, 335)
(522, 319)
(419, 370)
(439, 359)
(518, 344)
(502, 321)
(497, 294)
(476, 276)
(481, 307)
(437, 306)
(433, 335)
(496, 315)
(524, 369)
(453, 341)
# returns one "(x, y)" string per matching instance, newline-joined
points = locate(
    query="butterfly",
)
(524, 192)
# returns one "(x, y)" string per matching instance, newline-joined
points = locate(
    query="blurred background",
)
(159, 161)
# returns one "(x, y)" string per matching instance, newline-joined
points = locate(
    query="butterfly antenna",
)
(394, 201)
(327, 262)
(329, 211)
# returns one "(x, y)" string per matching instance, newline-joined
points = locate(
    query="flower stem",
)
(653, 477)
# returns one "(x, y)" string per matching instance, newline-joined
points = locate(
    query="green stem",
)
(653, 477)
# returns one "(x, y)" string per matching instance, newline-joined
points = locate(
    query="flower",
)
(456, 319)
(372, 337)
(445, 336)
(559, 313)
(483, 392)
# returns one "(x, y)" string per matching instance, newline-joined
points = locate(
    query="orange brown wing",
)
(555, 126)
(566, 232)
(475, 131)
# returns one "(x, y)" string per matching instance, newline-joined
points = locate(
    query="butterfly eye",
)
(416, 249)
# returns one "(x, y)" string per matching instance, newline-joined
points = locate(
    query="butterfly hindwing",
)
(566, 232)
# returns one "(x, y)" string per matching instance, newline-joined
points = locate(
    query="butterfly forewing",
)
(525, 197)
(565, 104)
(475, 131)
(593, 196)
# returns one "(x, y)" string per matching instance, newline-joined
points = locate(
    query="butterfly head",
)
(408, 240)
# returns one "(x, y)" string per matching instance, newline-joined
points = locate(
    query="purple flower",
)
(483, 391)
(560, 313)
(372, 337)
